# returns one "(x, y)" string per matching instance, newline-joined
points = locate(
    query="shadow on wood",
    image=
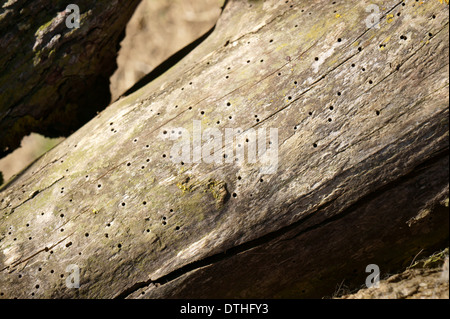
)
(359, 156)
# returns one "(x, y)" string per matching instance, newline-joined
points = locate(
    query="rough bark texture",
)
(362, 178)
(429, 281)
(54, 79)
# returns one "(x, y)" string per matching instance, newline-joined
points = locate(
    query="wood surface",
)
(361, 175)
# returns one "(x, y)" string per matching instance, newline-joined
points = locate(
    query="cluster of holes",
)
(112, 128)
(234, 195)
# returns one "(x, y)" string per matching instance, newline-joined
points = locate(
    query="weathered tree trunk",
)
(53, 79)
(361, 177)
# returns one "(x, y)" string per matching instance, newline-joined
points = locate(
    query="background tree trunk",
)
(362, 174)
(54, 79)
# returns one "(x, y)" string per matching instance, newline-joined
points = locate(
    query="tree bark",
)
(54, 79)
(361, 175)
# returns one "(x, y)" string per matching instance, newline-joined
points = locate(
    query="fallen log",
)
(55, 69)
(145, 202)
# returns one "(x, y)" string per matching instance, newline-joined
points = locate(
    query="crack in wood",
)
(20, 261)
(34, 194)
(277, 234)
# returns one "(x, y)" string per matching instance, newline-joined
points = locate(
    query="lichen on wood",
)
(362, 178)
